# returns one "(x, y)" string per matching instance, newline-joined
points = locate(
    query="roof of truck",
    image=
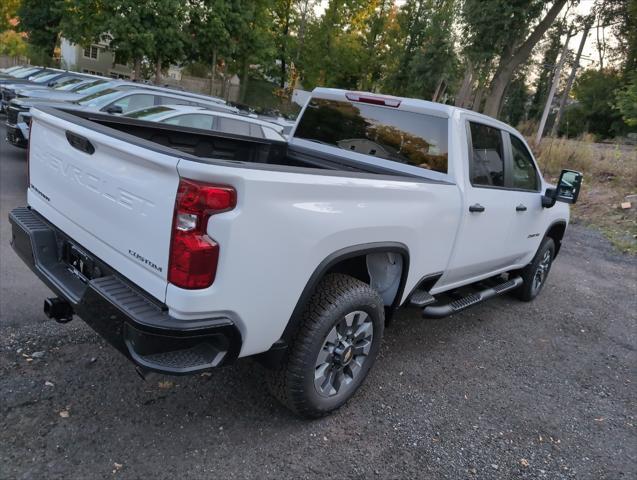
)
(403, 103)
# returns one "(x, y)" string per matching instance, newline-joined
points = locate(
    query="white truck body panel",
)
(119, 203)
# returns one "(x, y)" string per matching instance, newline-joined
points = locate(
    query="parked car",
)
(115, 101)
(72, 84)
(46, 78)
(9, 70)
(24, 76)
(200, 117)
(22, 72)
(187, 249)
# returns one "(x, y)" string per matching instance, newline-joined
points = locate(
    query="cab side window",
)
(524, 175)
(487, 156)
(133, 102)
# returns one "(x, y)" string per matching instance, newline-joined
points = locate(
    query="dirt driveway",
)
(505, 390)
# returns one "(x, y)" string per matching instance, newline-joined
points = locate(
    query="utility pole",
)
(556, 81)
(571, 78)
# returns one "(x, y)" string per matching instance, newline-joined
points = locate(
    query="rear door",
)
(488, 209)
(114, 198)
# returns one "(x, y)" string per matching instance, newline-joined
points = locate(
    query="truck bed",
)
(213, 147)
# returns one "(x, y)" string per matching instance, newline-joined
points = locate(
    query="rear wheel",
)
(536, 272)
(334, 349)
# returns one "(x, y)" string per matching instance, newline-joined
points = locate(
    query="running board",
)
(440, 311)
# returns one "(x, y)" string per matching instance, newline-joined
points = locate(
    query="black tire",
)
(531, 287)
(293, 382)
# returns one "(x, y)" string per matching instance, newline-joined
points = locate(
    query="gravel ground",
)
(504, 390)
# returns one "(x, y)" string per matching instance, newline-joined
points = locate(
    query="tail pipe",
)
(58, 309)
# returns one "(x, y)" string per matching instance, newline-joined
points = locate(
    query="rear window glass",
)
(405, 137)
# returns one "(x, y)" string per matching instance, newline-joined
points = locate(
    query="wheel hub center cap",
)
(344, 354)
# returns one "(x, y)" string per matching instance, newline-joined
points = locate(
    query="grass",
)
(610, 174)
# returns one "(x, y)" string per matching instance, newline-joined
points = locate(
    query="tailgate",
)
(114, 198)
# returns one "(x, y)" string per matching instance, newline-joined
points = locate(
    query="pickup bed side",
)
(288, 219)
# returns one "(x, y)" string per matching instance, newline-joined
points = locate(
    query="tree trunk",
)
(243, 87)
(507, 66)
(213, 71)
(286, 31)
(437, 92)
(600, 44)
(571, 79)
(556, 81)
(137, 69)
(477, 100)
(158, 71)
(301, 34)
(465, 89)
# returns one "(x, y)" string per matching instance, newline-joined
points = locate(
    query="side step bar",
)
(441, 311)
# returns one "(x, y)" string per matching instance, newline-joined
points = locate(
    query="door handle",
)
(520, 208)
(476, 207)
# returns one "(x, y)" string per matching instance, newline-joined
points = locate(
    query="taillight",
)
(193, 254)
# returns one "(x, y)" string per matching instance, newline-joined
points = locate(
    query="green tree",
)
(40, 20)
(626, 101)
(12, 44)
(8, 11)
(501, 35)
(595, 92)
(434, 65)
(208, 33)
(133, 30)
(515, 99)
(412, 21)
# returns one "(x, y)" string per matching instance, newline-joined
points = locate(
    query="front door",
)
(528, 223)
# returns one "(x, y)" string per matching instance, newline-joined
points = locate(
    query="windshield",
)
(99, 99)
(12, 69)
(150, 113)
(25, 73)
(41, 74)
(94, 87)
(44, 78)
(67, 84)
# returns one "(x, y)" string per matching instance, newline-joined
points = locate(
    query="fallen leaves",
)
(166, 384)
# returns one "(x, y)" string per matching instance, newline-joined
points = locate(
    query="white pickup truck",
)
(187, 249)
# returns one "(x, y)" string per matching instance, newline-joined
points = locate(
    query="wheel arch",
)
(556, 231)
(351, 261)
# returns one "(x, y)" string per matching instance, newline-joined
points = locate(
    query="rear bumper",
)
(135, 324)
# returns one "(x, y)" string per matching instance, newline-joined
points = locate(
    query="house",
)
(95, 59)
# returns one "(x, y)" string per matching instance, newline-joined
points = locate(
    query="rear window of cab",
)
(410, 138)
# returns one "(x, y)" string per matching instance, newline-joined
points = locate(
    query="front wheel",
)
(536, 272)
(334, 349)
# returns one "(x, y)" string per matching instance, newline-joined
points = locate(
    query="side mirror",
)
(567, 191)
(114, 109)
(51, 83)
(568, 186)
